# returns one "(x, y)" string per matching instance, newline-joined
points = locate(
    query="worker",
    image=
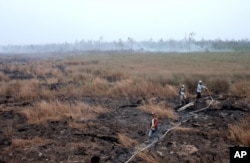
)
(182, 95)
(200, 86)
(153, 131)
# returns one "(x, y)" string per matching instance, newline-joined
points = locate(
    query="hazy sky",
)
(57, 21)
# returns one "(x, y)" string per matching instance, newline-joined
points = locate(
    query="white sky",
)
(57, 21)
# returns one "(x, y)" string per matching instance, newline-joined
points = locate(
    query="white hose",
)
(140, 150)
(212, 100)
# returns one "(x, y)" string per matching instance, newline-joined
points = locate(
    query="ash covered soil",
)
(204, 137)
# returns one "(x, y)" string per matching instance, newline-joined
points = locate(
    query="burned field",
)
(72, 110)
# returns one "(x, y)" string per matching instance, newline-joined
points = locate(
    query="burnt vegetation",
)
(97, 107)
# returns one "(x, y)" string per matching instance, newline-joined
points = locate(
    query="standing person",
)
(182, 95)
(200, 86)
(153, 131)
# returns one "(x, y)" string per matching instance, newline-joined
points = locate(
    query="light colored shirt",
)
(200, 87)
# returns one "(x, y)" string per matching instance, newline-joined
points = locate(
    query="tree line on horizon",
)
(131, 45)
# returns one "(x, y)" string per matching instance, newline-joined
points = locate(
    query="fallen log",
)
(186, 106)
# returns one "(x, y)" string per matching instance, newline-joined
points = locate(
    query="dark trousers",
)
(198, 95)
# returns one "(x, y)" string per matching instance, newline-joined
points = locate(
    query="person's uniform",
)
(182, 95)
(153, 131)
(200, 86)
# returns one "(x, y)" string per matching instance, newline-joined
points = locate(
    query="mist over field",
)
(130, 45)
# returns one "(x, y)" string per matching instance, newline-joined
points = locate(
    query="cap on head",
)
(200, 81)
(182, 86)
(153, 113)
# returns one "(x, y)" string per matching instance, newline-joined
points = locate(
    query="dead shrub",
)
(160, 110)
(126, 141)
(240, 132)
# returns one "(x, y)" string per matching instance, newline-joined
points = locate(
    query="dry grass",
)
(240, 132)
(95, 87)
(77, 125)
(47, 94)
(23, 144)
(148, 157)
(21, 90)
(131, 75)
(140, 88)
(3, 77)
(158, 72)
(9, 131)
(161, 110)
(126, 141)
(185, 129)
(241, 88)
(55, 110)
(29, 90)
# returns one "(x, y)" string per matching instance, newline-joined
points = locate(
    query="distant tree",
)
(121, 44)
(131, 43)
(99, 44)
(190, 39)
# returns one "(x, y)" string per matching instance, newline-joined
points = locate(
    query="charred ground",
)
(204, 137)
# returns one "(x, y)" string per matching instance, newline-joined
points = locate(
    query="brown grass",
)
(3, 77)
(126, 141)
(29, 90)
(55, 110)
(241, 88)
(130, 75)
(148, 157)
(47, 94)
(95, 87)
(140, 88)
(161, 110)
(77, 125)
(21, 90)
(23, 144)
(240, 132)
(185, 129)
(157, 73)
